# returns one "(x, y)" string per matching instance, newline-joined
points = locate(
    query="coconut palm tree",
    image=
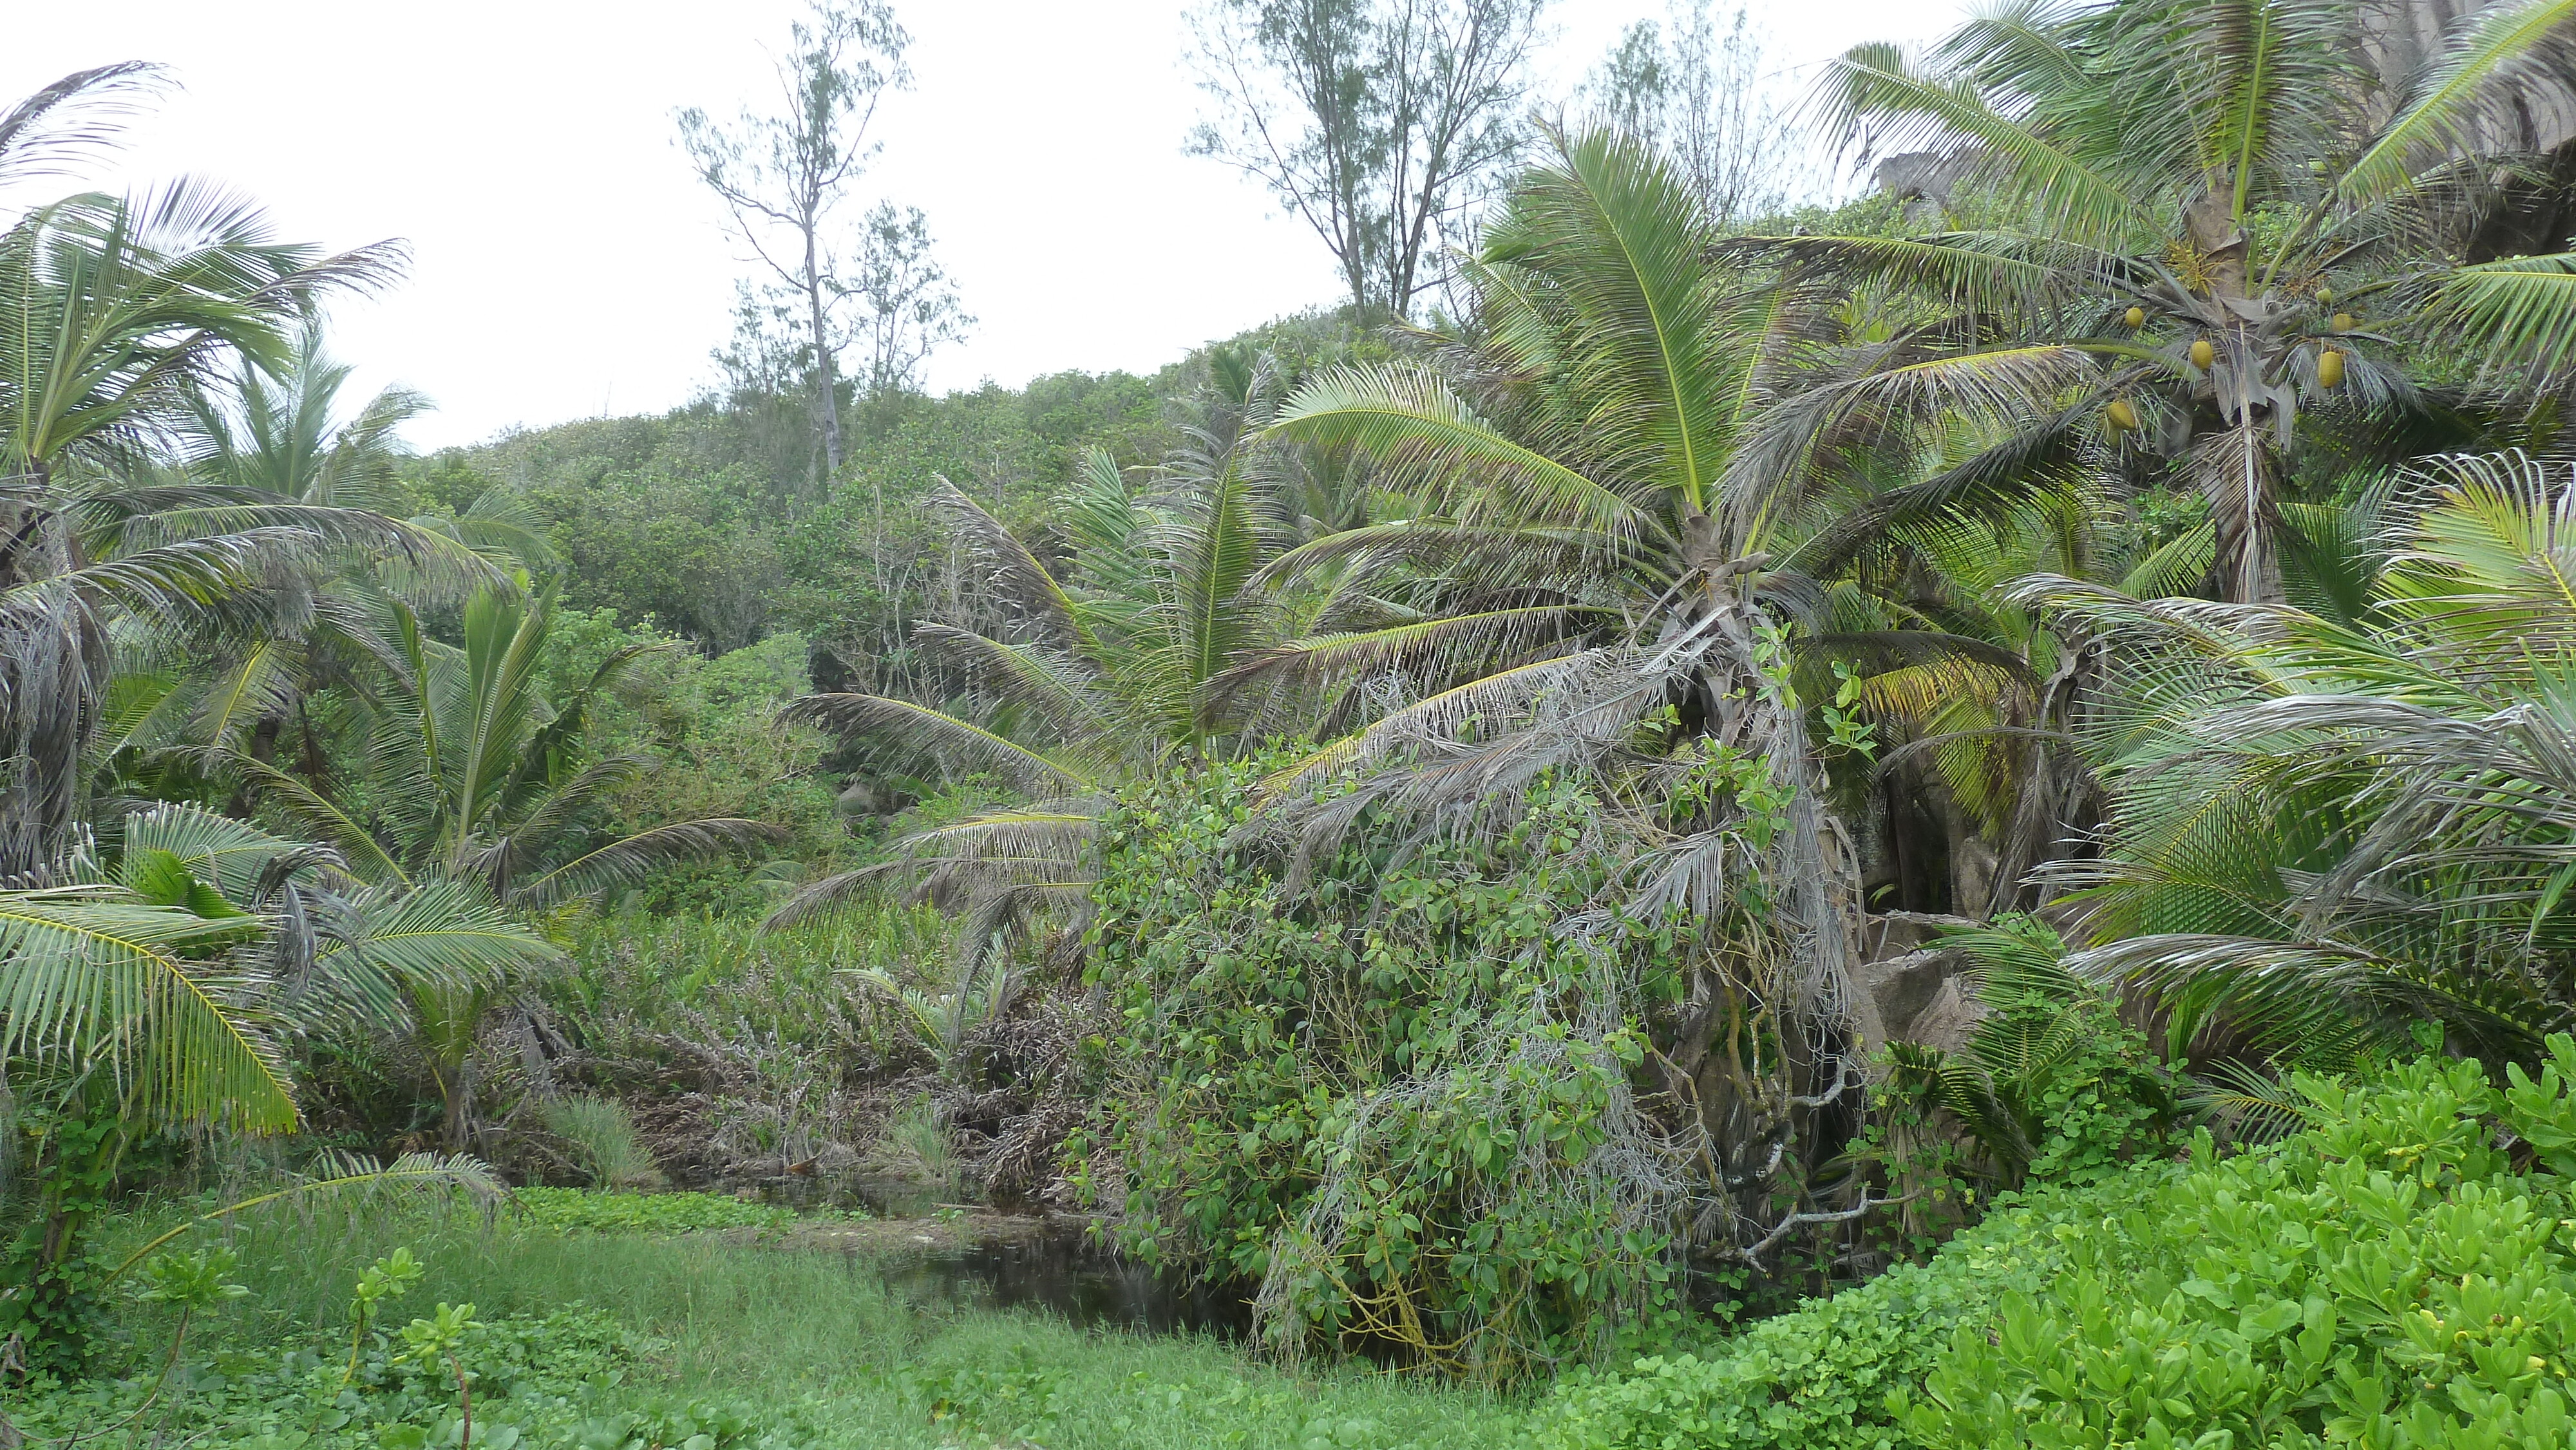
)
(2323, 832)
(475, 781)
(155, 987)
(1599, 607)
(117, 311)
(474, 775)
(2210, 240)
(1095, 672)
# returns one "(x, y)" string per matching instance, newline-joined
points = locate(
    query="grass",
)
(814, 1339)
(602, 1138)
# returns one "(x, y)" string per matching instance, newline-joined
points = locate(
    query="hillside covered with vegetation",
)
(1700, 816)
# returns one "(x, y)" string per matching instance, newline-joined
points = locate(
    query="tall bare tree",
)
(1692, 86)
(1375, 121)
(783, 175)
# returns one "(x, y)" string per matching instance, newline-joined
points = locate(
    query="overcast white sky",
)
(566, 265)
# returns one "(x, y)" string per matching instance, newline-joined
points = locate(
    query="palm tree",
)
(1602, 607)
(473, 775)
(2197, 208)
(1095, 673)
(2322, 833)
(283, 439)
(116, 312)
(476, 782)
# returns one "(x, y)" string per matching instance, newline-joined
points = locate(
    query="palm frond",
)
(1873, 100)
(89, 974)
(952, 742)
(625, 860)
(1425, 436)
(2519, 312)
(2507, 61)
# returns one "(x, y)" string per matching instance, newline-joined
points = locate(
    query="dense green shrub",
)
(1819, 1377)
(1398, 1095)
(2389, 1278)
(2396, 1276)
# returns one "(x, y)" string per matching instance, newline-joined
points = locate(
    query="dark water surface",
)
(1059, 1270)
(1061, 1274)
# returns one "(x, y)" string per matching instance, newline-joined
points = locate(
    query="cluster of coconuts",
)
(2204, 355)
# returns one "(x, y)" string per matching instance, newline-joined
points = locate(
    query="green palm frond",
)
(626, 860)
(1431, 649)
(435, 1176)
(1426, 437)
(1622, 246)
(2514, 55)
(90, 974)
(2002, 275)
(955, 743)
(234, 855)
(381, 942)
(1872, 92)
(2520, 311)
(315, 812)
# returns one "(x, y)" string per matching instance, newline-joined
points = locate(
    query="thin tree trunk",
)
(827, 402)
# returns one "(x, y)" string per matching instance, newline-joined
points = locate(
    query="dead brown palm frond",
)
(1061, 688)
(1007, 568)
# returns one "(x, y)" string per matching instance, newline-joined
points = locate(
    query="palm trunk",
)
(1792, 1056)
(53, 668)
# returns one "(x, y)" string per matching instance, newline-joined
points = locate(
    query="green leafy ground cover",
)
(582, 1210)
(610, 1341)
(2401, 1276)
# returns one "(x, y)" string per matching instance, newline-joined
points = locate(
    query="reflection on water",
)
(1056, 1270)
(881, 1197)
(1061, 1275)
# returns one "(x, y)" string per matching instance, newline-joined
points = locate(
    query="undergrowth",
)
(624, 1342)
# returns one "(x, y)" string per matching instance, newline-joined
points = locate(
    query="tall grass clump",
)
(602, 1138)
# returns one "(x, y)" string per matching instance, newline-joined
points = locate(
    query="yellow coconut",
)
(2202, 354)
(2343, 322)
(2122, 416)
(2329, 369)
(2325, 295)
(2135, 317)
